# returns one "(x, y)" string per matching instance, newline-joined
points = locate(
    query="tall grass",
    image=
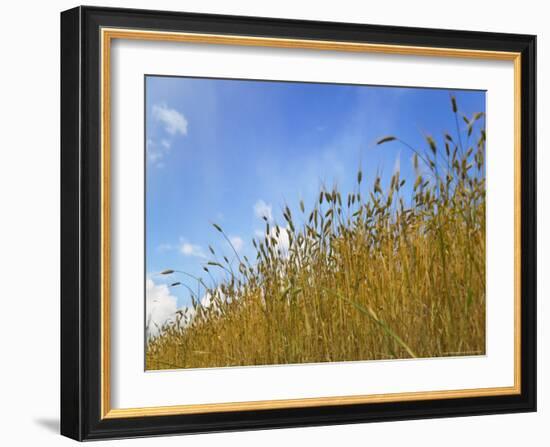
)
(375, 273)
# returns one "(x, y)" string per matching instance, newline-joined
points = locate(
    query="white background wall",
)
(29, 223)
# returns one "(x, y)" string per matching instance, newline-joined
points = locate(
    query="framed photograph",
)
(277, 223)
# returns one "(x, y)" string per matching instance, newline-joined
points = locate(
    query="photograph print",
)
(295, 222)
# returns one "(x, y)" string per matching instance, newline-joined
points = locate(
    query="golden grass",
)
(364, 276)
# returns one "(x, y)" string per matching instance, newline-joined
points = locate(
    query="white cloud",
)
(174, 122)
(207, 299)
(282, 241)
(155, 152)
(192, 250)
(262, 209)
(237, 242)
(164, 247)
(160, 305)
(161, 309)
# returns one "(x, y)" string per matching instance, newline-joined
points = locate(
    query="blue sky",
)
(230, 151)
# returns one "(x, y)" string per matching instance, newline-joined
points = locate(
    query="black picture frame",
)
(81, 223)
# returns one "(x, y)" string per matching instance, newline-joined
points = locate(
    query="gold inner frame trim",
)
(107, 35)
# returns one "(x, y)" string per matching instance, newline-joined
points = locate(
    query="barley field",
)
(391, 269)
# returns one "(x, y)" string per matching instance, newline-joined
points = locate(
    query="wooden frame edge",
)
(106, 36)
(304, 403)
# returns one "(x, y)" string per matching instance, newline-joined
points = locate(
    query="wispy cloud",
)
(262, 209)
(189, 249)
(164, 247)
(237, 242)
(155, 151)
(281, 240)
(160, 306)
(173, 121)
(185, 247)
